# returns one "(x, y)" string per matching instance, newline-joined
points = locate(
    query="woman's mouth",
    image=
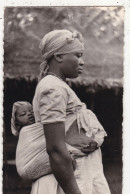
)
(80, 70)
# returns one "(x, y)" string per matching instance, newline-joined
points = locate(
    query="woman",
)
(58, 107)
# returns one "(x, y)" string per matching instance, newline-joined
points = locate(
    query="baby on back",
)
(32, 160)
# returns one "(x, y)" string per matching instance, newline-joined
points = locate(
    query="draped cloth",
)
(32, 160)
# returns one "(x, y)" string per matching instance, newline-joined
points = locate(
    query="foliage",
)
(102, 29)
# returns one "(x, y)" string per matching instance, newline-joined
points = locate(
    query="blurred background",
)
(100, 86)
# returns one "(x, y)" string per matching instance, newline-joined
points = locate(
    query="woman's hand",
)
(90, 148)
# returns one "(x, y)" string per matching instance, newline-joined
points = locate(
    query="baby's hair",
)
(16, 105)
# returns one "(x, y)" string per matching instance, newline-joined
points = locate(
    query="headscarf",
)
(16, 105)
(59, 42)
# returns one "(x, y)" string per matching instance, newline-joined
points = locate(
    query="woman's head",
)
(22, 115)
(59, 43)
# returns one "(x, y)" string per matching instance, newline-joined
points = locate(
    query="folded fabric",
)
(84, 129)
(32, 160)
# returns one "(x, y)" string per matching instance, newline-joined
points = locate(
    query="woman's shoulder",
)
(50, 83)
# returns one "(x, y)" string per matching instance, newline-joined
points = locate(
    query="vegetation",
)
(102, 29)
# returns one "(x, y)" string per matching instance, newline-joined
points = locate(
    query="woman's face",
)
(24, 115)
(72, 64)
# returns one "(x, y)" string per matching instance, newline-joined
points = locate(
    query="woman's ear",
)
(58, 57)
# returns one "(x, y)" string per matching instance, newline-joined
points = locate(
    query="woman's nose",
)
(81, 62)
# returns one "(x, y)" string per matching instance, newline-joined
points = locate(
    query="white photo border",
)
(126, 94)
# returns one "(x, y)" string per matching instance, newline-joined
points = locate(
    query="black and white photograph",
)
(63, 99)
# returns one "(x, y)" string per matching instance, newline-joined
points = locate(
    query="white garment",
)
(89, 176)
(32, 160)
(55, 101)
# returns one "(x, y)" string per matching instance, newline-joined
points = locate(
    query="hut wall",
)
(106, 104)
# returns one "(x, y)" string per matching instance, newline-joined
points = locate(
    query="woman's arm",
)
(60, 159)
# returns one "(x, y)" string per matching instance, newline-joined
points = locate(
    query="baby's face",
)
(25, 115)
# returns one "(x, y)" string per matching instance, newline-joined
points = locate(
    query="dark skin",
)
(81, 141)
(59, 156)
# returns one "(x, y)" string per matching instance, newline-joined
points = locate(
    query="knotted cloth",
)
(16, 105)
(32, 160)
(59, 42)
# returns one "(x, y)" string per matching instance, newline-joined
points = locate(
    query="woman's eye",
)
(79, 55)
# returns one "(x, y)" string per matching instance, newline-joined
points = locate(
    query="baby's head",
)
(22, 115)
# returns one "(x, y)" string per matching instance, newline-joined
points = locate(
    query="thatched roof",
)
(102, 29)
(91, 85)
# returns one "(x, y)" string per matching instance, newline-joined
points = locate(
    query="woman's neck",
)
(56, 73)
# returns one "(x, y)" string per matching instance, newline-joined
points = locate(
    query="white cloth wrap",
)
(32, 160)
(31, 152)
(87, 120)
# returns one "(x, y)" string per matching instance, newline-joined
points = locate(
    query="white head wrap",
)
(59, 42)
(16, 105)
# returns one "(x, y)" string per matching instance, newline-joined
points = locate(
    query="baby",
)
(32, 160)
